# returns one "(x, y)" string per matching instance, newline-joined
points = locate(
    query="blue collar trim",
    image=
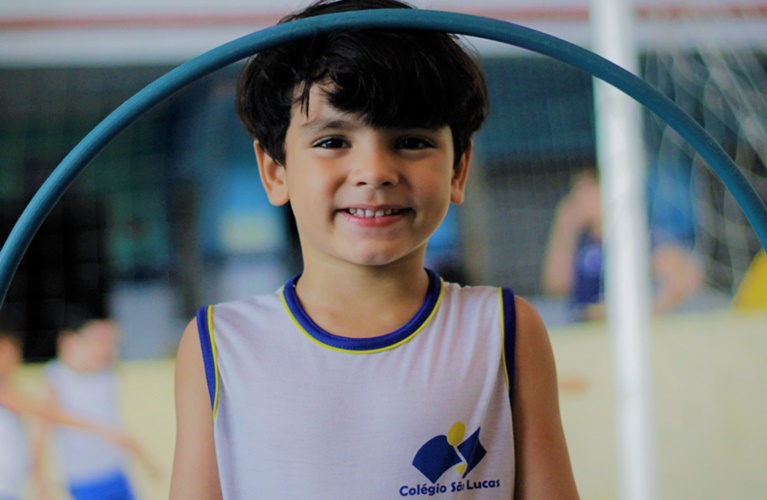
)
(379, 343)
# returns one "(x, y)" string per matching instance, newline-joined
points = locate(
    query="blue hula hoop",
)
(76, 161)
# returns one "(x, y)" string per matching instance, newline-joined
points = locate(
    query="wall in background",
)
(44, 32)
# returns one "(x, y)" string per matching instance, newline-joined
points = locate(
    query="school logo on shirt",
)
(444, 452)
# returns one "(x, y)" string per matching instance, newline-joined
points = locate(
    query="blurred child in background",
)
(15, 451)
(20, 458)
(83, 381)
(574, 266)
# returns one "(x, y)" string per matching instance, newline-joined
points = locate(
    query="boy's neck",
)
(362, 301)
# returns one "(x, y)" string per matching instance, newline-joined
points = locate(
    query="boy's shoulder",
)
(277, 298)
(264, 302)
(467, 291)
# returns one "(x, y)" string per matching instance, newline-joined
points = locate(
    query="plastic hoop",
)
(76, 161)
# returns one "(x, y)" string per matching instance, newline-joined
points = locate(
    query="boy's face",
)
(363, 195)
(93, 348)
(100, 337)
(10, 356)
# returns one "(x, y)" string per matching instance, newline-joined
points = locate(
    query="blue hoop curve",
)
(76, 161)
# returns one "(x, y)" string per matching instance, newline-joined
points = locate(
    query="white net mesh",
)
(724, 86)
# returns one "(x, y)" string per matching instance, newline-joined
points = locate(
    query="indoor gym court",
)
(706, 365)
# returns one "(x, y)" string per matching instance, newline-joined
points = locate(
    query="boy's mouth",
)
(371, 214)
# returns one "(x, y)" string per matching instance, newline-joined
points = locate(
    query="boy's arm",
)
(559, 256)
(678, 276)
(20, 404)
(40, 438)
(543, 467)
(577, 213)
(55, 414)
(195, 471)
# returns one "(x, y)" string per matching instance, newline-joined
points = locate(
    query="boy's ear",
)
(460, 174)
(273, 176)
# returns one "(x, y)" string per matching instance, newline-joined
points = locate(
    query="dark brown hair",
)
(391, 78)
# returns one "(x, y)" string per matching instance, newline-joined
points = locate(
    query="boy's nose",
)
(377, 169)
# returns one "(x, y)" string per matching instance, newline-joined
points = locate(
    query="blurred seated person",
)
(573, 263)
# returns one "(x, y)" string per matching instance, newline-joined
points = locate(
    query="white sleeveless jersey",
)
(85, 456)
(422, 411)
(15, 456)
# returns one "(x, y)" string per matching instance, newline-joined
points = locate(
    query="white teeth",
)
(361, 212)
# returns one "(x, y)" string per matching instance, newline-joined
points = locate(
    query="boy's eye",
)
(330, 143)
(414, 143)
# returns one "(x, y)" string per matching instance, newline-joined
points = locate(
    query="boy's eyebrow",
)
(330, 123)
(335, 123)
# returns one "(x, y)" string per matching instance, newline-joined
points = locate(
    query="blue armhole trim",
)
(207, 352)
(509, 336)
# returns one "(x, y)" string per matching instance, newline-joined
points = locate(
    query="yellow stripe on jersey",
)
(215, 359)
(503, 340)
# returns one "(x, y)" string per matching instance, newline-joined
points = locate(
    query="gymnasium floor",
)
(710, 395)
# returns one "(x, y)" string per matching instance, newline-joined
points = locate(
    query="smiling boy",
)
(367, 376)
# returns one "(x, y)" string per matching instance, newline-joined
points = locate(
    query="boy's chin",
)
(381, 259)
